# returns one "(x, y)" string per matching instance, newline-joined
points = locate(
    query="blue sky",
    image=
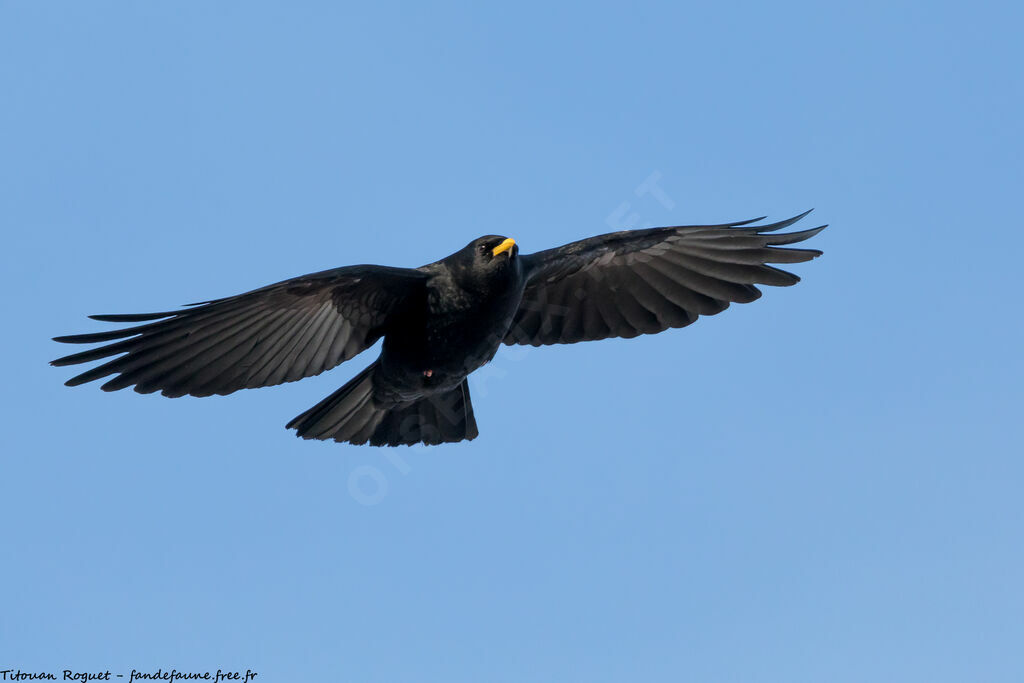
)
(822, 485)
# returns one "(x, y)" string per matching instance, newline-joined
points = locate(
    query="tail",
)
(352, 414)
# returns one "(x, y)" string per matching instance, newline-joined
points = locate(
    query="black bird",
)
(439, 322)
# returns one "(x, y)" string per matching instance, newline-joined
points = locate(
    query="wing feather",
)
(280, 333)
(644, 281)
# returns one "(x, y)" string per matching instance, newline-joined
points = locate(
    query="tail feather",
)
(353, 414)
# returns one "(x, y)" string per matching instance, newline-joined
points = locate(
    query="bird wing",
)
(280, 333)
(634, 282)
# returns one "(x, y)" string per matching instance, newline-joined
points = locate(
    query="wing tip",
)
(77, 380)
(130, 317)
(772, 227)
(737, 224)
(784, 238)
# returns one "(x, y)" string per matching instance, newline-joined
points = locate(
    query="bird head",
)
(485, 259)
(489, 253)
(493, 249)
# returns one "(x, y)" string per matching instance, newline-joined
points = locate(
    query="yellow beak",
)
(504, 246)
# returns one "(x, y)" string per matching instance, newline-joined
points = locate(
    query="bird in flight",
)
(440, 322)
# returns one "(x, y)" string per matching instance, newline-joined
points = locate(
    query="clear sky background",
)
(824, 485)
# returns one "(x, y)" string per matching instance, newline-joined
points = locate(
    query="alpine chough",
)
(440, 322)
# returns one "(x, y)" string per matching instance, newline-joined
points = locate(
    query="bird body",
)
(462, 321)
(439, 322)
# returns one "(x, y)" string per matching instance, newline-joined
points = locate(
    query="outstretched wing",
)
(280, 333)
(634, 282)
